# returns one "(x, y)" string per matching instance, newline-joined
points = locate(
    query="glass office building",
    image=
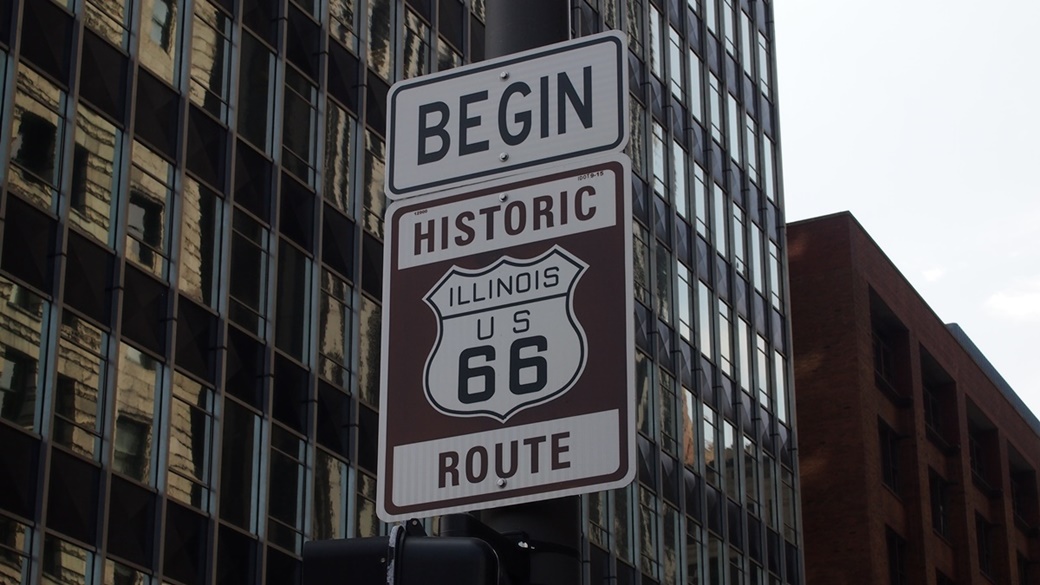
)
(190, 271)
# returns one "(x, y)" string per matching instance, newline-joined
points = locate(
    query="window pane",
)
(380, 40)
(339, 143)
(330, 496)
(201, 223)
(37, 134)
(64, 562)
(151, 194)
(139, 378)
(255, 89)
(293, 307)
(210, 59)
(95, 161)
(335, 330)
(81, 369)
(191, 428)
(160, 36)
(21, 325)
(240, 465)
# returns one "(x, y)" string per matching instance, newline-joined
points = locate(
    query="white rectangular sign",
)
(501, 116)
(499, 218)
(502, 461)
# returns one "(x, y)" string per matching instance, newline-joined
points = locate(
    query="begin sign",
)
(507, 316)
(500, 116)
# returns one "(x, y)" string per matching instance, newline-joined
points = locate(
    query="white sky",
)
(922, 118)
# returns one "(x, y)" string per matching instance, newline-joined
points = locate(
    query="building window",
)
(889, 445)
(191, 442)
(896, 547)
(78, 390)
(343, 23)
(939, 489)
(984, 545)
(416, 45)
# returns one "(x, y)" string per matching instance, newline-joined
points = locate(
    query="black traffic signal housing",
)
(406, 557)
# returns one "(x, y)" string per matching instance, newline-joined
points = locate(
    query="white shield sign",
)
(507, 336)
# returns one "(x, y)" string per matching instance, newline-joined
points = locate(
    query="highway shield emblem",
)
(507, 337)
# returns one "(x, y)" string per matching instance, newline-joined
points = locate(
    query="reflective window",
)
(447, 57)
(299, 126)
(659, 156)
(763, 64)
(135, 416)
(774, 276)
(339, 144)
(239, 466)
(160, 37)
(38, 130)
(375, 168)
(711, 441)
(700, 201)
(769, 502)
(744, 353)
(380, 37)
(758, 274)
(256, 89)
(751, 132)
(746, 42)
(211, 59)
(637, 141)
(696, 96)
(368, 523)
(416, 45)
(739, 252)
(634, 26)
(733, 127)
(641, 263)
(780, 385)
(79, 388)
(623, 531)
(331, 489)
(721, 219)
(663, 283)
(202, 222)
(669, 416)
(335, 330)
(292, 310)
(343, 23)
(108, 18)
(15, 546)
(762, 371)
(710, 17)
(704, 329)
(248, 278)
(656, 43)
(649, 562)
(64, 562)
(689, 423)
(95, 170)
(191, 440)
(768, 176)
(286, 497)
(369, 351)
(729, 453)
(148, 212)
(21, 324)
(728, 30)
(725, 339)
(599, 515)
(684, 300)
(682, 203)
(644, 395)
(675, 65)
(119, 574)
(715, 106)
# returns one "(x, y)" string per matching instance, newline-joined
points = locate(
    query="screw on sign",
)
(507, 342)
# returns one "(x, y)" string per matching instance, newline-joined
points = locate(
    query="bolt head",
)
(503, 157)
(503, 75)
(501, 482)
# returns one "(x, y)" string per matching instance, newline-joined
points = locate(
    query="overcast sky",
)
(922, 118)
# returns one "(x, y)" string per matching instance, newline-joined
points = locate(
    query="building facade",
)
(191, 261)
(918, 461)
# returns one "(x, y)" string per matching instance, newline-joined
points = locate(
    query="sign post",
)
(507, 371)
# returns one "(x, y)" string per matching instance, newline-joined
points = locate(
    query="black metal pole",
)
(553, 527)
(517, 25)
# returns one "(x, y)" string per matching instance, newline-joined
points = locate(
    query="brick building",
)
(918, 462)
